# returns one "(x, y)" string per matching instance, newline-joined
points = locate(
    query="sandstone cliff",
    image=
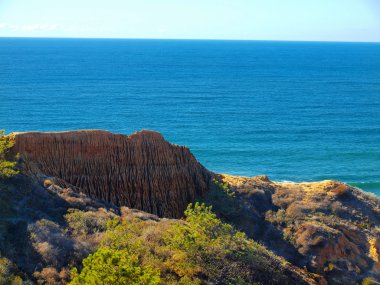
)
(141, 171)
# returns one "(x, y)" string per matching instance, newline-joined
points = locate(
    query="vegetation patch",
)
(7, 166)
(198, 250)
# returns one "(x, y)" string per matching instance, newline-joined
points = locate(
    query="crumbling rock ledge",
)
(141, 171)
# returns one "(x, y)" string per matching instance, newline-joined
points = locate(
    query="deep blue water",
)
(291, 110)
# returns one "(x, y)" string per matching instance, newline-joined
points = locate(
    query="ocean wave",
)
(303, 181)
(365, 185)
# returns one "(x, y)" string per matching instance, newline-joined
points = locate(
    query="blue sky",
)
(318, 20)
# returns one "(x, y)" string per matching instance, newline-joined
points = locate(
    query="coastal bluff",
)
(141, 171)
(328, 231)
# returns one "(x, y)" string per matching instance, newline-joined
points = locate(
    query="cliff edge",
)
(141, 171)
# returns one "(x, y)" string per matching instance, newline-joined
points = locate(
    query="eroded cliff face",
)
(141, 171)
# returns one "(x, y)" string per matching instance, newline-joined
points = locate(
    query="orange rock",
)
(141, 171)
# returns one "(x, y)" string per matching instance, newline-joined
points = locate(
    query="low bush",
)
(50, 276)
(198, 250)
(8, 273)
(115, 266)
(7, 167)
(87, 222)
(51, 242)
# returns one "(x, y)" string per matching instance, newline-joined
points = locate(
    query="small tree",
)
(7, 168)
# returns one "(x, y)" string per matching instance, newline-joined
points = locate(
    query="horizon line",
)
(189, 39)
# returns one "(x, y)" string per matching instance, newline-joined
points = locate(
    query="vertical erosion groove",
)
(141, 171)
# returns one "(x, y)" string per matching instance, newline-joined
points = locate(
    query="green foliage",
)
(225, 188)
(287, 236)
(198, 250)
(369, 281)
(8, 273)
(7, 168)
(207, 248)
(363, 225)
(86, 223)
(112, 266)
(225, 203)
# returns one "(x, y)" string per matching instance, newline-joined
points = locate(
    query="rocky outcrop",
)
(141, 171)
(328, 226)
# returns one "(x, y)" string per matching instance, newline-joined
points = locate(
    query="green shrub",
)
(87, 222)
(225, 188)
(8, 273)
(7, 168)
(113, 266)
(223, 200)
(198, 250)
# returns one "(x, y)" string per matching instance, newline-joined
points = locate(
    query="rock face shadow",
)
(32, 222)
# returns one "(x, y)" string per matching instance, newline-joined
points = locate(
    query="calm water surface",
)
(291, 110)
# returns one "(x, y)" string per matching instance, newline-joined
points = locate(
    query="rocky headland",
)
(328, 232)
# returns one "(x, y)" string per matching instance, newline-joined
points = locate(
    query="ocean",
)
(295, 111)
